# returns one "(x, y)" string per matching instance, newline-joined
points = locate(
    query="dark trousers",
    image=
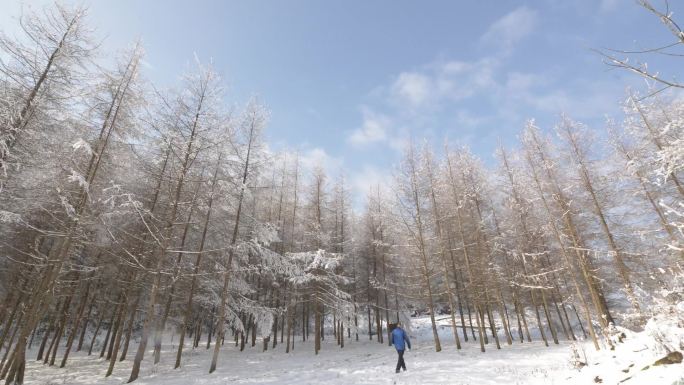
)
(400, 363)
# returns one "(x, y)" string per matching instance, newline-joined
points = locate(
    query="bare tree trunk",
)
(420, 239)
(111, 326)
(568, 264)
(617, 253)
(442, 253)
(471, 278)
(156, 283)
(97, 329)
(198, 260)
(75, 325)
(228, 267)
(114, 346)
(317, 322)
(161, 326)
(86, 319)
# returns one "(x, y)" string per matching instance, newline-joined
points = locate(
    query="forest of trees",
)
(130, 214)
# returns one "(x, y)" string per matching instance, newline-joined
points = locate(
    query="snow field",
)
(372, 363)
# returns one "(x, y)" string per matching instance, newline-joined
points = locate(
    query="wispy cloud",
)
(412, 100)
(507, 31)
(368, 179)
(373, 129)
(475, 101)
(609, 5)
(413, 88)
(318, 157)
(449, 81)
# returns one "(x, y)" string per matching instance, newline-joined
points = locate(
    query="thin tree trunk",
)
(97, 329)
(568, 264)
(75, 325)
(228, 267)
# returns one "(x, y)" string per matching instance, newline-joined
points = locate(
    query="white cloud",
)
(370, 177)
(517, 82)
(399, 141)
(473, 98)
(456, 67)
(374, 129)
(511, 28)
(609, 5)
(466, 119)
(438, 82)
(412, 87)
(318, 157)
(458, 80)
(410, 103)
(595, 100)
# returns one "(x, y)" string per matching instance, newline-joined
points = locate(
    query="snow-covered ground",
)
(368, 362)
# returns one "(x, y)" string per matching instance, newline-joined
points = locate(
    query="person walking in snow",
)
(400, 340)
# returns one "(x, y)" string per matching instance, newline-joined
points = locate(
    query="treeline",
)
(129, 213)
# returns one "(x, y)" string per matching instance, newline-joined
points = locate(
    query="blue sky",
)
(347, 82)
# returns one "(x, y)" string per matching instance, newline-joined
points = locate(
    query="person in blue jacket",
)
(400, 340)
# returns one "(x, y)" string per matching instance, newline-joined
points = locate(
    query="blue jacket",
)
(398, 337)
